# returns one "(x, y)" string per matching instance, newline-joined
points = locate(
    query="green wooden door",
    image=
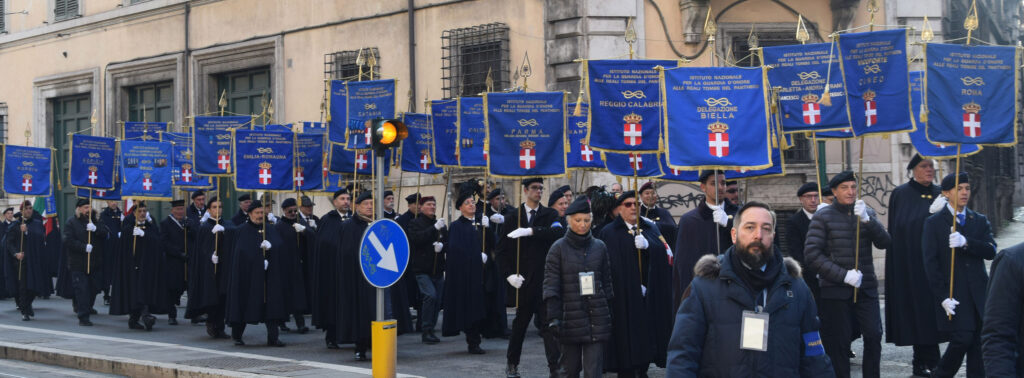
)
(71, 114)
(246, 90)
(152, 102)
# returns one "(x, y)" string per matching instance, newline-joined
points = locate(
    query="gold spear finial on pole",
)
(872, 9)
(360, 61)
(371, 61)
(801, 30)
(709, 27)
(526, 70)
(752, 40)
(926, 32)
(971, 22)
(223, 103)
(630, 36)
(28, 134)
(489, 81)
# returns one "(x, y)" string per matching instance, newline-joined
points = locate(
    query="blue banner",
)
(444, 115)
(183, 170)
(645, 165)
(212, 143)
(337, 116)
(800, 72)
(346, 162)
(625, 105)
(418, 147)
(144, 131)
(367, 100)
(965, 83)
(314, 128)
(874, 66)
(526, 133)
(472, 151)
(842, 134)
(265, 160)
(672, 174)
(28, 170)
(718, 118)
(918, 137)
(579, 155)
(146, 170)
(309, 158)
(274, 127)
(92, 161)
(51, 206)
(778, 162)
(103, 194)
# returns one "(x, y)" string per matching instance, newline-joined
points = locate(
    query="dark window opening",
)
(469, 54)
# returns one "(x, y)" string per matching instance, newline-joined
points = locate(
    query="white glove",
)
(138, 232)
(273, 219)
(266, 264)
(148, 218)
(956, 240)
(643, 290)
(438, 246)
(821, 206)
(485, 222)
(853, 278)
(640, 242)
(88, 248)
(720, 216)
(206, 215)
(439, 224)
(498, 218)
(938, 204)
(214, 258)
(949, 304)
(483, 256)
(861, 210)
(265, 244)
(90, 227)
(520, 232)
(515, 280)
(217, 228)
(312, 223)
(298, 227)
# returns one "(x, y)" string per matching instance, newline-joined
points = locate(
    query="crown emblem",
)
(632, 118)
(972, 107)
(718, 127)
(26, 176)
(810, 97)
(93, 168)
(147, 175)
(299, 169)
(187, 153)
(186, 166)
(425, 151)
(265, 165)
(869, 95)
(583, 141)
(223, 151)
(527, 144)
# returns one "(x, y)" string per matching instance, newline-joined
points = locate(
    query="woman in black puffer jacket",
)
(582, 323)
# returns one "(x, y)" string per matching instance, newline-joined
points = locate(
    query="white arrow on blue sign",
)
(383, 253)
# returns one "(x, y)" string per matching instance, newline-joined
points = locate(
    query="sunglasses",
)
(629, 205)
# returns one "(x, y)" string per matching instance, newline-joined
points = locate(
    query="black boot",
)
(512, 371)
(133, 323)
(429, 338)
(149, 321)
(84, 321)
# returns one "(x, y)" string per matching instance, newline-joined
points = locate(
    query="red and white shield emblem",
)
(632, 134)
(147, 184)
(718, 144)
(265, 176)
(361, 161)
(223, 162)
(186, 175)
(812, 113)
(424, 161)
(93, 177)
(870, 113)
(972, 125)
(636, 161)
(586, 153)
(101, 192)
(367, 134)
(299, 179)
(527, 158)
(675, 172)
(26, 184)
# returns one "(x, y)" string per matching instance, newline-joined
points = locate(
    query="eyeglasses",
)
(536, 187)
(732, 191)
(629, 205)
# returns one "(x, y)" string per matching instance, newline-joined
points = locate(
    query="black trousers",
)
(576, 357)
(300, 320)
(215, 318)
(962, 343)
(237, 329)
(837, 316)
(25, 295)
(530, 306)
(926, 355)
(85, 287)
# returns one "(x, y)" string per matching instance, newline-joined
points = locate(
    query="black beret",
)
(426, 199)
(647, 186)
(462, 197)
(950, 180)
(244, 197)
(254, 205)
(306, 202)
(840, 178)
(531, 180)
(365, 195)
(388, 193)
(174, 203)
(339, 192)
(198, 193)
(624, 196)
(808, 187)
(8, 209)
(288, 202)
(704, 175)
(493, 193)
(557, 194)
(81, 202)
(914, 161)
(580, 206)
(412, 198)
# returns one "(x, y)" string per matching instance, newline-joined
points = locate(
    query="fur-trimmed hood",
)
(709, 266)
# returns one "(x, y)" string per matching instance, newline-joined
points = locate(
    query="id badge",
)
(587, 283)
(754, 332)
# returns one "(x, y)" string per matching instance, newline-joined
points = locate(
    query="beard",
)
(755, 254)
(83, 216)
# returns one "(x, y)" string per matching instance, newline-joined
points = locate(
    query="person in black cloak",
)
(412, 209)
(56, 261)
(210, 264)
(697, 230)
(325, 295)
(910, 312)
(83, 239)
(306, 212)
(358, 299)
(412, 290)
(295, 236)
(139, 287)
(111, 217)
(464, 303)
(257, 275)
(389, 205)
(244, 201)
(496, 318)
(5, 222)
(796, 233)
(176, 235)
(642, 307)
(649, 209)
(25, 243)
(197, 208)
(426, 263)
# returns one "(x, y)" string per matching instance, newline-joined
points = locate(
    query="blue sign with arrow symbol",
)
(383, 253)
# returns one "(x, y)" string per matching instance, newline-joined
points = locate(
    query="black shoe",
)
(429, 338)
(172, 321)
(239, 342)
(922, 371)
(84, 322)
(31, 311)
(361, 355)
(149, 321)
(512, 371)
(852, 354)
(93, 312)
(106, 301)
(135, 325)
(221, 335)
(284, 328)
(303, 330)
(25, 318)
(475, 349)
(199, 319)
(276, 343)
(332, 345)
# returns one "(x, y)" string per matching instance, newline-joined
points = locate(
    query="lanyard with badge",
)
(587, 286)
(754, 332)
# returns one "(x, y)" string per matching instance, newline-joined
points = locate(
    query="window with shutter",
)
(65, 9)
(3, 16)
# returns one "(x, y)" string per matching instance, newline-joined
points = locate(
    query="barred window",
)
(342, 65)
(3, 16)
(3, 122)
(468, 54)
(65, 9)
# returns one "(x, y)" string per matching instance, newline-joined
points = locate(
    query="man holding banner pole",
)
(82, 237)
(25, 246)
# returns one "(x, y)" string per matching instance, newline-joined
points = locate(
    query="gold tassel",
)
(826, 98)
(578, 110)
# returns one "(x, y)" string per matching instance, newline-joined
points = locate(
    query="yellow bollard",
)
(385, 348)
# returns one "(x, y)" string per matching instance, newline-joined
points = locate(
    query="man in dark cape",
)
(697, 231)
(25, 243)
(176, 235)
(464, 303)
(325, 295)
(139, 285)
(358, 299)
(910, 311)
(197, 208)
(649, 209)
(5, 223)
(496, 321)
(210, 265)
(389, 205)
(397, 306)
(256, 284)
(426, 264)
(412, 210)
(83, 240)
(111, 217)
(796, 233)
(295, 236)
(407, 284)
(243, 203)
(641, 309)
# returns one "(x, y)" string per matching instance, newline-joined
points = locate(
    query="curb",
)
(107, 364)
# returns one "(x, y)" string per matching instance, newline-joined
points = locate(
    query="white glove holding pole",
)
(821, 206)
(298, 227)
(438, 246)
(483, 256)
(640, 242)
(498, 218)
(949, 304)
(520, 232)
(138, 232)
(272, 218)
(217, 228)
(148, 218)
(515, 280)
(439, 224)
(206, 215)
(956, 240)
(720, 216)
(312, 223)
(88, 248)
(861, 210)
(854, 278)
(485, 222)
(265, 244)
(939, 203)
(214, 258)
(643, 290)
(266, 264)
(91, 227)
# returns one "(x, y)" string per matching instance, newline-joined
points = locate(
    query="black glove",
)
(555, 327)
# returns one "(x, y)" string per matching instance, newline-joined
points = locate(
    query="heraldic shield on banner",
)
(264, 174)
(718, 139)
(93, 177)
(972, 119)
(527, 154)
(812, 109)
(300, 178)
(586, 154)
(424, 159)
(636, 161)
(870, 108)
(632, 131)
(224, 159)
(186, 172)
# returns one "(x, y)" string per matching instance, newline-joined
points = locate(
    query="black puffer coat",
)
(584, 320)
(829, 249)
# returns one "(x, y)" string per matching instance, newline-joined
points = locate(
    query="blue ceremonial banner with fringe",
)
(314, 128)
(337, 128)
(778, 161)
(672, 174)
(367, 100)
(309, 162)
(418, 147)
(103, 194)
(471, 135)
(801, 72)
(144, 131)
(874, 66)
(625, 105)
(183, 172)
(841, 134)
(579, 154)
(146, 170)
(212, 143)
(444, 115)
(92, 161)
(360, 162)
(28, 171)
(967, 83)
(717, 118)
(526, 133)
(645, 165)
(918, 137)
(265, 160)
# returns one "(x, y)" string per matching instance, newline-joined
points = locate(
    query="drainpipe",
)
(412, 56)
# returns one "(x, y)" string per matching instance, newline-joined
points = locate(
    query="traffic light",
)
(386, 133)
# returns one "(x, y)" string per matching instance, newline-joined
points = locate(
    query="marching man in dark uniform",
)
(111, 217)
(176, 236)
(698, 228)
(306, 212)
(256, 285)
(427, 235)
(796, 233)
(412, 202)
(326, 281)
(82, 241)
(197, 208)
(649, 209)
(25, 248)
(295, 238)
(464, 304)
(358, 299)
(140, 287)
(910, 310)
(389, 205)
(243, 205)
(972, 243)
(830, 251)
(496, 322)
(1002, 333)
(210, 265)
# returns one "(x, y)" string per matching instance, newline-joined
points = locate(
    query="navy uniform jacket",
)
(969, 276)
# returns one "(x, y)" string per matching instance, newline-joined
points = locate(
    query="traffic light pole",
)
(384, 333)
(378, 196)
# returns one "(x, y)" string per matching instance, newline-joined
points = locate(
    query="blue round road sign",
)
(383, 253)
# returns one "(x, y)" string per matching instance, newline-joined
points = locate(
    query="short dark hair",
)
(212, 200)
(737, 219)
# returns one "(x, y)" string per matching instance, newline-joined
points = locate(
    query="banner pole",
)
(856, 243)
(636, 189)
(21, 245)
(956, 205)
(88, 256)
(519, 224)
(718, 238)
